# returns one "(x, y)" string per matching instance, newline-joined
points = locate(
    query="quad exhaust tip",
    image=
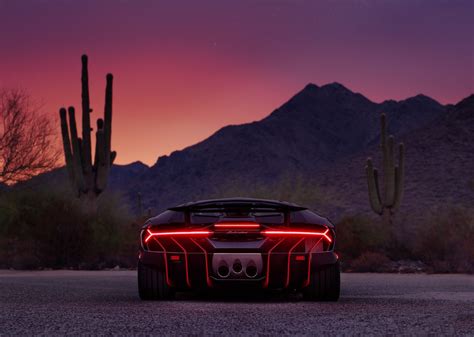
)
(251, 270)
(223, 270)
(237, 267)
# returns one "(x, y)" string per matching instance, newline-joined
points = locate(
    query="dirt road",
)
(106, 302)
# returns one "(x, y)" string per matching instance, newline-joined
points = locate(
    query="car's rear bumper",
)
(278, 270)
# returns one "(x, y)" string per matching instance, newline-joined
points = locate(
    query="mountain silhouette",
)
(316, 131)
(317, 141)
(438, 165)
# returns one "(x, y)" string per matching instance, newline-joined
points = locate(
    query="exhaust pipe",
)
(237, 267)
(251, 270)
(223, 271)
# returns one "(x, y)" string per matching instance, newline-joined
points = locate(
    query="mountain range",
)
(313, 148)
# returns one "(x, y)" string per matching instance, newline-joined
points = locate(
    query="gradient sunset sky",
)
(183, 69)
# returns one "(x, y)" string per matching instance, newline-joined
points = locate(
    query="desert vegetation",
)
(28, 143)
(386, 198)
(370, 243)
(88, 177)
(49, 228)
(79, 223)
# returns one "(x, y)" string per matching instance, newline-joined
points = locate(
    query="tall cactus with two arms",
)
(88, 178)
(387, 200)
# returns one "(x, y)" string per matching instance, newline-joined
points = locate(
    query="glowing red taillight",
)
(174, 257)
(269, 232)
(298, 233)
(173, 233)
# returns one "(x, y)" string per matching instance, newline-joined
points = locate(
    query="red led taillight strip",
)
(264, 232)
(267, 277)
(299, 233)
(189, 233)
(308, 279)
(168, 281)
(236, 225)
(208, 279)
(188, 282)
(289, 261)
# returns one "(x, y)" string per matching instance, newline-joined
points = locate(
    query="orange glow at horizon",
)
(183, 72)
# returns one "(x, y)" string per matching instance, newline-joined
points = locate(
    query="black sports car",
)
(237, 242)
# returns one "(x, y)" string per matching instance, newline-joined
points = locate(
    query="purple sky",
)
(184, 69)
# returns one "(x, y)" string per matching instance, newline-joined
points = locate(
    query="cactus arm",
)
(76, 151)
(385, 158)
(113, 155)
(108, 116)
(374, 193)
(98, 144)
(104, 135)
(66, 144)
(101, 160)
(86, 123)
(399, 176)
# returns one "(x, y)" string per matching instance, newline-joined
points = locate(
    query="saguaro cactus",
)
(88, 178)
(387, 200)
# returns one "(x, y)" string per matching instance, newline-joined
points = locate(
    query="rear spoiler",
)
(238, 205)
(256, 206)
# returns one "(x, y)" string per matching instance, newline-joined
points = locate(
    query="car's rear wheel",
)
(152, 284)
(325, 284)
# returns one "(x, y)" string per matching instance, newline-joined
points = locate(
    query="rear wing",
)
(238, 205)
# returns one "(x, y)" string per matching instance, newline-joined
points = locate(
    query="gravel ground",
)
(106, 303)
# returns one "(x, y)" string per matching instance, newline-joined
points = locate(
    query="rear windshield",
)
(249, 215)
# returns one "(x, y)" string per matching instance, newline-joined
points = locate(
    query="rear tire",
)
(325, 284)
(152, 284)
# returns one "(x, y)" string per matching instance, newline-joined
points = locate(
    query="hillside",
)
(119, 180)
(312, 150)
(315, 132)
(439, 167)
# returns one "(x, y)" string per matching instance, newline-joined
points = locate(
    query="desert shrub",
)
(112, 228)
(50, 228)
(445, 240)
(42, 227)
(359, 234)
(370, 262)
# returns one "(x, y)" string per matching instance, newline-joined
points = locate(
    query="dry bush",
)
(28, 143)
(370, 262)
(50, 229)
(359, 234)
(445, 240)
